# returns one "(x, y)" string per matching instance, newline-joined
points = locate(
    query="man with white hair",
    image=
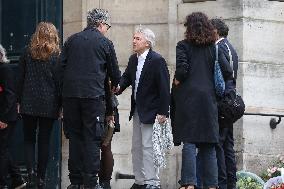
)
(148, 75)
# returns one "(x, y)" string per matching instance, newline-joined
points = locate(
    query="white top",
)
(141, 61)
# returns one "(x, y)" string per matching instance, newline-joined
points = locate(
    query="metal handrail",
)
(119, 175)
(273, 122)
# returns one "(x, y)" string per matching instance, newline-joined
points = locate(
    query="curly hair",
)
(44, 42)
(199, 30)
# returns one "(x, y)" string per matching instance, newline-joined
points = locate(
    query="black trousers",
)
(30, 126)
(226, 159)
(84, 126)
(7, 165)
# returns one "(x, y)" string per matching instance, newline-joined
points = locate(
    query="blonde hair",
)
(4, 58)
(44, 41)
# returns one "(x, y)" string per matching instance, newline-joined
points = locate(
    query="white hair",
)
(4, 58)
(148, 34)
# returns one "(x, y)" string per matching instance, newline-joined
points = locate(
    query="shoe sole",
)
(21, 186)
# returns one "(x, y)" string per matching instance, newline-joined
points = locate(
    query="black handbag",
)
(231, 107)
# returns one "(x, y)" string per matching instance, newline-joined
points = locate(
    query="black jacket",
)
(38, 86)
(230, 84)
(153, 92)
(87, 57)
(8, 109)
(194, 110)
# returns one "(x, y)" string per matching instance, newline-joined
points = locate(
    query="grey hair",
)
(4, 58)
(96, 16)
(148, 34)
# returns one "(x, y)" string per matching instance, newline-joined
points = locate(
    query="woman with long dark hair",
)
(195, 105)
(38, 97)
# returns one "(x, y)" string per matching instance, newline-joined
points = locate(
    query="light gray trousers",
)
(142, 153)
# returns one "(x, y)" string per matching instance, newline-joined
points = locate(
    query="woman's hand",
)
(3, 125)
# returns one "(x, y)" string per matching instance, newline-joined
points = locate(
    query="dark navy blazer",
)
(153, 92)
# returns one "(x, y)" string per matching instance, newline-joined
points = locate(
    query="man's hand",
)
(110, 119)
(161, 118)
(176, 82)
(3, 125)
(115, 90)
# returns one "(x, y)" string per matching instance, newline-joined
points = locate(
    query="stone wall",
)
(256, 32)
(263, 80)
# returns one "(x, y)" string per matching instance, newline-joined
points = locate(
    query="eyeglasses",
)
(108, 26)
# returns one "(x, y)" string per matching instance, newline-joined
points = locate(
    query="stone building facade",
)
(257, 32)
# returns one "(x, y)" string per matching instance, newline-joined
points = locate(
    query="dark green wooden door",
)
(18, 20)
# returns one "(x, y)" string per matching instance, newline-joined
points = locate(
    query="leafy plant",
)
(248, 183)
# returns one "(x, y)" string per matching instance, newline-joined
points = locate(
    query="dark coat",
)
(112, 106)
(194, 104)
(87, 57)
(230, 84)
(38, 86)
(153, 92)
(8, 98)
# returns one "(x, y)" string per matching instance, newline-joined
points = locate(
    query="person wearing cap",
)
(148, 75)
(8, 119)
(88, 57)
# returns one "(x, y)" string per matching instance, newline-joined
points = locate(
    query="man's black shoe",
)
(75, 186)
(93, 187)
(148, 186)
(105, 185)
(18, 182)
(41, 183)
(31, 180)
(137, 186)
(4, 187)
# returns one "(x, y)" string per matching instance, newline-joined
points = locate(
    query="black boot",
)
(4, 187)
(31, 180)
(105, 184)
(41, 183)
(18, 182)
(75, 186)
(4, 183)
(30, 161)
(93, 187)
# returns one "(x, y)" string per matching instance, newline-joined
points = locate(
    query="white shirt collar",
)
(219, 40)
(144, 54)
